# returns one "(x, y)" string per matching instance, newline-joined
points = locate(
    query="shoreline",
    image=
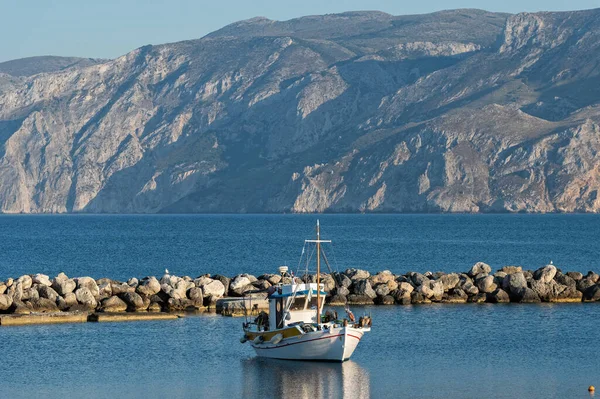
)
(38, 299)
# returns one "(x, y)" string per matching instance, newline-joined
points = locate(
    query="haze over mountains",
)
(455, 111)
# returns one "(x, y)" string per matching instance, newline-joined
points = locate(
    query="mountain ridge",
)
(457, 111)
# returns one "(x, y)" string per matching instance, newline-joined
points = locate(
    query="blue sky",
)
(109, 28)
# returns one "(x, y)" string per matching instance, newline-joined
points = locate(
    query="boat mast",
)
(318, 273)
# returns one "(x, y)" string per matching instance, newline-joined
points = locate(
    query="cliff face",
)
(458, 111)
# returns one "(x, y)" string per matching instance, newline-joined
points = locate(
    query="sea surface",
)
(428, 351)
(124, 246)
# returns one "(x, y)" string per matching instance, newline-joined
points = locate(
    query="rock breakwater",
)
(40, 294)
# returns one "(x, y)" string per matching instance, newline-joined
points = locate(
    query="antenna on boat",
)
(318, 273)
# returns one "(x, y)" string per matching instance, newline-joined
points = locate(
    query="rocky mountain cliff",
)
(455, 111)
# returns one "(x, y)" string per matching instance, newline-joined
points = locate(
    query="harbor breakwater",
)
(39, 294)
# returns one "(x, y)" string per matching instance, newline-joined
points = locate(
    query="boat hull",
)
(335, 344)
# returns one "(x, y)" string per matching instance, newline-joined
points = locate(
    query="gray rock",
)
(545, 274)
(3, 288)
(456, 295)
(479, 268)
(213, 290)
(486, 284)
(239, 285)
(90, 284)
(575, 275)
(42, 279)
(385, 300)
(26, 281)
(470, 289)
(195, 295)
(450, 281)
(529, 296)
(30, 293)
(118, 289)
(382, 290)
(363, 288)
(113, 304)
(357, 274)
(338, 300)
(63, 285)
(133, 282)
(105, 289)
(592, 293)
(382, 277)
(511, 269)
(226, 281)
(343, 291)
(70, 299)
(498, 296)
(354, 299)
(418, 279)
(148, 286)
(6, 302)
(43, 305)
(516, 285)
(134, 301)
(47, 292)
(85, 297)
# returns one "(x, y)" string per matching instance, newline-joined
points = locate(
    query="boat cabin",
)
(294, 303)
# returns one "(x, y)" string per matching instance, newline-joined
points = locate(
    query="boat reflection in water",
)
(292, 379)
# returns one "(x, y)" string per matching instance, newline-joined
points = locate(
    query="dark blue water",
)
(125, 246)
(445, 351)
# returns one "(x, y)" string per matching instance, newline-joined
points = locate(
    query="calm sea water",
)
(462, 351)
(447, 351)
(125, 246)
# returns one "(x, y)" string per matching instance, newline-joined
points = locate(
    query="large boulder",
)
(456, 295)
(418, 278)
(382, 277)
(196, 296)
(105, 289)
(30, 293)
(226, 281)
(382, 290)
(575, 275)
(134, 301)
(26, 281)
(486, 284)
(15, 291)
(363, 288)
(70, 299)
(529, 296)
(113, 304)
(120, 288)
(516, 286)
(47, 292)
(469, 288)
(5, 302)
(342, 291)
(385, 300)
(85, 297)
(213, 291)
(148, 286)
(511, 269)
(63, 285)
(592, 293)
(239, 285)
(90, 284)
(449, 281)
(43, 305)
(357, 274)
(3, 288)
(545, 274)
(342, 279)
(498, 296)
(479, 268)
(338, 300)
(42, 279)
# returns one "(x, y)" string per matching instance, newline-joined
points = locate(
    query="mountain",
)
(43, 64)
(455, 111)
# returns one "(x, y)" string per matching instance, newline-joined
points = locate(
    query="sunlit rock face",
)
(457, 111)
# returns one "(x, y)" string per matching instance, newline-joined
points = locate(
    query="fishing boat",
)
(295, 327)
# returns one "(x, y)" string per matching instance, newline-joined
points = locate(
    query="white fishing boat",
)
(295, 327)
